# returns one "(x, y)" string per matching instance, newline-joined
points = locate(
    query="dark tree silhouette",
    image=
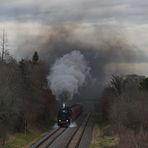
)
(35, 57)
(117, 84)
(144, 84)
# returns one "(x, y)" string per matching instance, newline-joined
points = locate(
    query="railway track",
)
(64, 137)
(76, 137)
(48, 138)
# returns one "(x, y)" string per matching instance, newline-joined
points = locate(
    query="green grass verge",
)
(19, 140)
(22, 140)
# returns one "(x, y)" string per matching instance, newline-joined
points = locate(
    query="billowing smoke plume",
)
(67, 74)
(106, 49)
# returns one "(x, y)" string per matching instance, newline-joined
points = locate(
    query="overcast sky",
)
(129, 10)
(91, 11)
(131, 15)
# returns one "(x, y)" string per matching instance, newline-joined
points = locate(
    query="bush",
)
(128, 139)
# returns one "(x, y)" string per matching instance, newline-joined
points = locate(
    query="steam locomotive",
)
(68, 114)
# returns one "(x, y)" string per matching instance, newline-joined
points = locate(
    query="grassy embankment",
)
(22, 140)
(102, 137)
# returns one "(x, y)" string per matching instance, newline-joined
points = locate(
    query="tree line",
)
(125, 106)
(25, 99)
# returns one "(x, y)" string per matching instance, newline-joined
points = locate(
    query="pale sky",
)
(29, 16)
(130, 14)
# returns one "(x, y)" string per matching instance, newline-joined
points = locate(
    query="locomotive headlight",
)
(59, 120)
(66, 120)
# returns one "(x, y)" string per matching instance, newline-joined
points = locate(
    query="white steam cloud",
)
(67, 74)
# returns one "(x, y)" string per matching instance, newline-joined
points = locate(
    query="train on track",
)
(67, 114)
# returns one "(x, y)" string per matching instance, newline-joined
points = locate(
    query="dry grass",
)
(101, 138)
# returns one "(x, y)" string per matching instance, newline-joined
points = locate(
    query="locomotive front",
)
(64, 117)
(68, 114)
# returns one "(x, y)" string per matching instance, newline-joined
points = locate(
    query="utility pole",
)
(3, 45)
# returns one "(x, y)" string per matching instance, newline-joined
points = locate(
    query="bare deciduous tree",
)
(117, 84)
(4, 49)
